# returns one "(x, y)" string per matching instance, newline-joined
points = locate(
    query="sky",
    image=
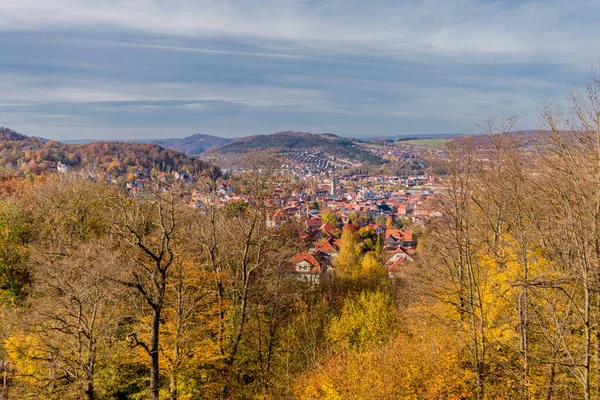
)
(143, 69)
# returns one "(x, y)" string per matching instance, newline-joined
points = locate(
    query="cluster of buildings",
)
(361, 197)
(388, 205)
(398, 249)
(301, 163)
(391, 215)
(326, 209)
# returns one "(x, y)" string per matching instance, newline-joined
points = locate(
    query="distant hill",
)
(24, 154)
(302, 141)
(410, 137)
(193, 145)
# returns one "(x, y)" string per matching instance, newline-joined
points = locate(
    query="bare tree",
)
(148, 231)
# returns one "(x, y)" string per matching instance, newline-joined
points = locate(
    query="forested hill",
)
(298, 141)
(193, 145)
(29, 155)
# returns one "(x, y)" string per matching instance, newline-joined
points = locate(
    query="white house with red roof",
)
(306, 266)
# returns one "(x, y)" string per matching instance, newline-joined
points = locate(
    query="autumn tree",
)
(147, 232)
(15, 234)
(329, 217)
(67, 329)
(247, 260)
(347, 262)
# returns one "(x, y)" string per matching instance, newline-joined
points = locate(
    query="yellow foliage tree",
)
(347, 262)
(365, 321)
(419, 365)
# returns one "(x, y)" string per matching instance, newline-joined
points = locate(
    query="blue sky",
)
(135, 69)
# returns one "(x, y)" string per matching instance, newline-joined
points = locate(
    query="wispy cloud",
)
(529, 28)
(52, 90)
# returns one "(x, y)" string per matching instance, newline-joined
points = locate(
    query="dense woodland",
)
(109, 296)
(26, 156)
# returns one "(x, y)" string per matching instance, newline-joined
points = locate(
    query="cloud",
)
(46, 89)
(529, 29)
(52, 116)
(12, 105)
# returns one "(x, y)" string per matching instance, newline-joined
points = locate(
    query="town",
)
(382, 207)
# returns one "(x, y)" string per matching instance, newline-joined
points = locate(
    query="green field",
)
(434, 143)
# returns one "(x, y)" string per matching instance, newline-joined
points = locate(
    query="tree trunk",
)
(89, 391)
(173, 384)
(588, 347)
(5, 386)
(173, 387)
(154, 366)
(550, 394)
